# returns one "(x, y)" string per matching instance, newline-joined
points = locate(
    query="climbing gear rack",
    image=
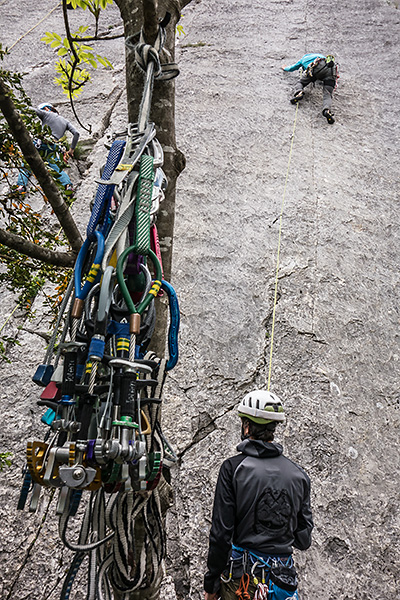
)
(101, 382)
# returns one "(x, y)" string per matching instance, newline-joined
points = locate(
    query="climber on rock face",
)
(48, 149)
(316, 67)
(261, 511)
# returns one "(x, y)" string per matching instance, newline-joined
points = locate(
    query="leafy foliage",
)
(25, 214)
(76, 56)
(94, 6)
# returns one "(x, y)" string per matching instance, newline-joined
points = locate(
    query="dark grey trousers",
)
(328, 84)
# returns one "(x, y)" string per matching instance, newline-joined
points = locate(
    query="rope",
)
(279, 250)
(34, 27)
(242, 592)
(8, 318)
(61, 311)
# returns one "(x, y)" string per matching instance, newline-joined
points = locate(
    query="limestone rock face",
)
(336, 344)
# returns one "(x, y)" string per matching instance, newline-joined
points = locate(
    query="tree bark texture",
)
(39, 169)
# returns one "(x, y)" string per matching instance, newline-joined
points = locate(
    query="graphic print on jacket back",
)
(272, 513)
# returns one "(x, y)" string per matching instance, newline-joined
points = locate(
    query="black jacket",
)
(262, 503)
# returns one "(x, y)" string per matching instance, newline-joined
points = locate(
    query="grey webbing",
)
(105, 295)
(124, 217)
(121, 569)
(149, 57)
(62, 338)
(63, 306)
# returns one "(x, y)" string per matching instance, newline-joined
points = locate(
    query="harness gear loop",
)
(278, 252)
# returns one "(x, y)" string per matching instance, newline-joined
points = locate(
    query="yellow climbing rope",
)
(34, 27)
(279, 251)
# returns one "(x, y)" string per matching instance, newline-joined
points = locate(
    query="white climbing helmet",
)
(47, 105)
(261, 407)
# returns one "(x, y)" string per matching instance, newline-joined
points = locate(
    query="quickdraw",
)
(102, 387)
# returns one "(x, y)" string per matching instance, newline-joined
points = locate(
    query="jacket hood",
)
(259, 448)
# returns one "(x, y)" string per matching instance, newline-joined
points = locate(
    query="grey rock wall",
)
(336, 350)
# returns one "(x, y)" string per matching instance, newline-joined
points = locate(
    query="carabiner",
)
(93, 275)
(173, 330)
(152, 293)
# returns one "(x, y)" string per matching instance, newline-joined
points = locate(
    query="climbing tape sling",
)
(101, 385)
(278, 253)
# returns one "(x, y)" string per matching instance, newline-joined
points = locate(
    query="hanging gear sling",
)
(102, 386)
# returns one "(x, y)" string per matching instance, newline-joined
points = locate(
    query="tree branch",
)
(39, 169)
(50, 257)
(98, 38)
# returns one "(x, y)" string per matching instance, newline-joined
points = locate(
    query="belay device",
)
(101, 387)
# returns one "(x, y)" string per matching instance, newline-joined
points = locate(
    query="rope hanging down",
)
(102, 385)
(278, 253)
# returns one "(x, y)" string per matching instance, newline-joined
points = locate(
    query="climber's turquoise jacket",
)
(304, 62)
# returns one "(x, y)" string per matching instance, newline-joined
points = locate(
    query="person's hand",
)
(283, 67)
(208, 596)
(70, 152)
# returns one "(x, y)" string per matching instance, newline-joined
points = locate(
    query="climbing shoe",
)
(297, 97)
(328, 116)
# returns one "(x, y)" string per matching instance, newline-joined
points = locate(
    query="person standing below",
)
(261, 511)
(59, 126)
(316, 67)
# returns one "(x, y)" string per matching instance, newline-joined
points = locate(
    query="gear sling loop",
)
(278, 252)
(104, 400)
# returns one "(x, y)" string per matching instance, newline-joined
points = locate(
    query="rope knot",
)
(242, 592)
(144, 53)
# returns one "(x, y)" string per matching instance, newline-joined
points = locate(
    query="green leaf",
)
(103, 61)
(47, 38)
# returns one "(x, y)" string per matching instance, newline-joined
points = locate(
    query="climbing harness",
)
(275, 577)
(102, 385)
(278, 253)
(329, 63)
